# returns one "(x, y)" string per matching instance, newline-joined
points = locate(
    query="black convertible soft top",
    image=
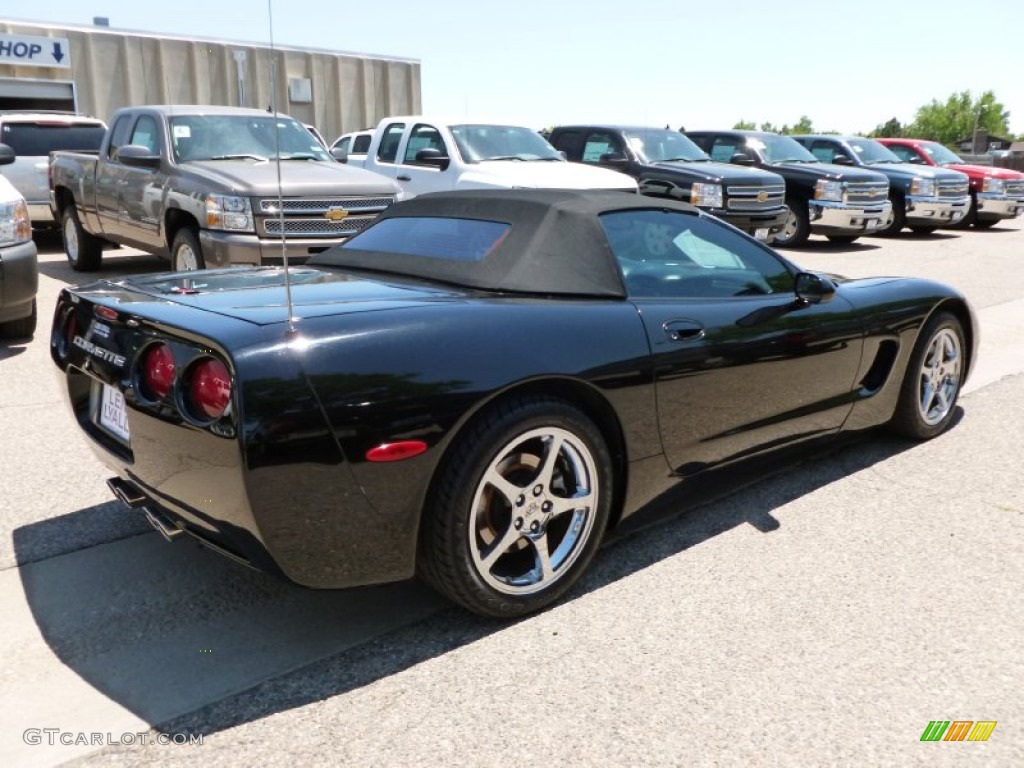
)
(555, 244)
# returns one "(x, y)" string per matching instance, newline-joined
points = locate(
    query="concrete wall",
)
(116, 68)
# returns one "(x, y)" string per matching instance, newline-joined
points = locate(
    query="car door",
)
(108, 177)
(140, 190)
(417, 177)
(740, 363)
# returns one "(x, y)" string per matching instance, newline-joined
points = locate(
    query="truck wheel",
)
(923, 230)
(842, 239)
(84, 250)
(895, 221)
(984, 223)
(186, 253)
(797, 227)
(970, 218)
(22, 328)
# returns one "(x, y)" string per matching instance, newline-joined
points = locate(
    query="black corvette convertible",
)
(479, 385)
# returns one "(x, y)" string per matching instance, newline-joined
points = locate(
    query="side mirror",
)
(564, 154)
(138, 155)
(433, 157)
(339, 154)
(741, 158)
(6, 155)
(812, 288)
(615, 159)
(841, 160)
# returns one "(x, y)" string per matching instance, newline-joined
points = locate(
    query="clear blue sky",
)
(847, 65)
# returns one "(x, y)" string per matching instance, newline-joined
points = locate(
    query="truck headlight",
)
(995, 186)
(230, 213)
(828, 190)
(15, 226)
(706, 195)
(923, 187)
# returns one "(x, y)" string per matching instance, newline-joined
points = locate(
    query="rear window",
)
(361, 144)
(35, 139)
(435, 238)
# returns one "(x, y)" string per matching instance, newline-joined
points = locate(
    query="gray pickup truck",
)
(210, 186)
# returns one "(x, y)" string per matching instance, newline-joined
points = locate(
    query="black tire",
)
(933, 379)
(897, 219)
(186, 252)
(985, 223)
(797, 226)
(22, 328)
(842, 239)
(923, 230)
(84, 250)
(482, 540)
(970, 218)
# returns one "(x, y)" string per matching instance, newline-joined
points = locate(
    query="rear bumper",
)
(998, 206)
(832, 218)
(19, 281)
(226, 249)
(928, 211)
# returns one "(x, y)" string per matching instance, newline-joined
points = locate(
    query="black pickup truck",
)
(833, 200)
(667, 164)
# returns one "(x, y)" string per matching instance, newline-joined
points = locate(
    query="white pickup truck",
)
(425, 155)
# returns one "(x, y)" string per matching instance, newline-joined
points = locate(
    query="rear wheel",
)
(84, 250)
(518, 509)
(186, 252)
(797, 226)
(933, 380)
(22, 328)
(896, 219)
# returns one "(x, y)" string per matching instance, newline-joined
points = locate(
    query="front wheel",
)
(797, 226)
(186, 252)
(985, 223)
(933, 380)
(842, 239)
(84, 250)
(923, 230)
(518, 509)
(895, 220)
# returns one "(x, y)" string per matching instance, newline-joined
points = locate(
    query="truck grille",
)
(1015, 188)
(952, 190)
(320, 227)
(749, 198)
(333, 217)
(866, 192)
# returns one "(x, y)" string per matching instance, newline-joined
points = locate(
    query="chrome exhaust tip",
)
(126, 492)
(163, 526)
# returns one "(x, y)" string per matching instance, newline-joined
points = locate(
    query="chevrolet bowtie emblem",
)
(336, 214)
(762, 196)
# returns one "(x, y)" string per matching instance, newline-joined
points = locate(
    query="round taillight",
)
(157, 372)
(209, 389)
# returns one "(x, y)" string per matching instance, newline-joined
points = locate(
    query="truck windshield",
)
(871, 152)
(940, 154)
(659, 145)
(477, 143)
(231, 137)
(781, 149)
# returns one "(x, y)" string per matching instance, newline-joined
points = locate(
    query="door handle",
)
(405, 178)
(683, 330)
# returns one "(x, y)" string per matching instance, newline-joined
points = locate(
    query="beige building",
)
(96, 70)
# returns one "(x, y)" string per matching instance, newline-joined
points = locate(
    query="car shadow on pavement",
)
(168, 597)
(112, 268)
(13, 348)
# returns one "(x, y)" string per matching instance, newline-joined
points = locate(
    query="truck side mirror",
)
(616, 159)
(433, 157)
(841, 160)
(741, 158)
(138, 155)
(339, 154)
(6, 155)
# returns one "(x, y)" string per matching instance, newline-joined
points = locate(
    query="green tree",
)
(955, 119)
(803, 125)
(890, 129)
(745, 125)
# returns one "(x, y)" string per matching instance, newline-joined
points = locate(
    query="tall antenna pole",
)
(277, 163)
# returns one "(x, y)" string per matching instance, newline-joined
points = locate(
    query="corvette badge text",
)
(958, 730)
(96, 351)
(55, 736)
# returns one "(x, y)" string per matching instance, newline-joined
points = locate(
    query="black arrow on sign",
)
(58, 54)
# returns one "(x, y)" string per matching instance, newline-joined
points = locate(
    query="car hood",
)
(813, 171)
(258, 294)
(546, 174)
(298, 177)
(985, 171)
(717, 172)
(912, 171)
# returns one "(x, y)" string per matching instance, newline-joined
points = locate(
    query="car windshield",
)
(232, 137)
(940, 154)
(781, 149)
(872, 153)
(40, 139)
(477, 143)
(657, 146)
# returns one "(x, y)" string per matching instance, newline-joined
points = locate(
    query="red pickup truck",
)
(996, 193)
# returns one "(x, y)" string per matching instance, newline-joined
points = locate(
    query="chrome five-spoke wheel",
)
(939, 376)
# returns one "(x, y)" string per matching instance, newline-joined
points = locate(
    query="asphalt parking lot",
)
(822, 615)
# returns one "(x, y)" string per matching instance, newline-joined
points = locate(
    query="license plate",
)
(113, 413)
(761, 233)
(871, 224)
